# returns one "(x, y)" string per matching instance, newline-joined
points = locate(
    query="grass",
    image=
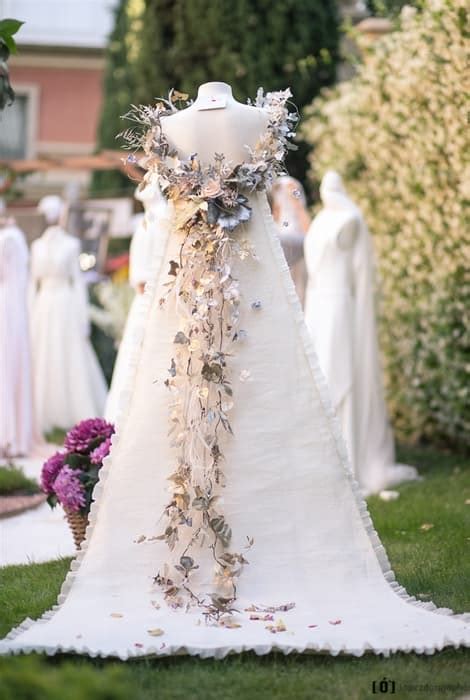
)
(431, 562)
(13, 481)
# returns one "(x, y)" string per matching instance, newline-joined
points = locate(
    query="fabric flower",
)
(50, 470)
(229, 218)
(100, 452)
(69, 490)
(211, 189)
(81, 438)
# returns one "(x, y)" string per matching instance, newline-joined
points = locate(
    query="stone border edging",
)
(15, 505)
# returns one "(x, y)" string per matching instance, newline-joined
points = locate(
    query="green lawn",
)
(13, 481)
(431, 562)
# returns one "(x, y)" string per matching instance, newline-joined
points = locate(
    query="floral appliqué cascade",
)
(210, 207)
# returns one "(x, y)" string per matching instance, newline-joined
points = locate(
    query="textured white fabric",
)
(69, 385)
(340, 315)
(145, 241)
(16, 399)
(288, 486)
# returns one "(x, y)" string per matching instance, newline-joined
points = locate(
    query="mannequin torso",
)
(329, 250)
(55, 257)
(203, 130)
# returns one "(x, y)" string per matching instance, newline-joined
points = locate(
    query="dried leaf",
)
(181, 339)
(156, 632)
(176, 95)
(116, 615)
(279, 626)
(231, 624)
(334, 622)
(174, 267)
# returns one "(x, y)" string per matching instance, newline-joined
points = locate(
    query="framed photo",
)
(92, 225)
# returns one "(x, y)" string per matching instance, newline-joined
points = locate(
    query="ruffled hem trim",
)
(124, 408)
(220, 652)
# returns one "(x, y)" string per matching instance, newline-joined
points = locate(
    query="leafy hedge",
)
(398, 134)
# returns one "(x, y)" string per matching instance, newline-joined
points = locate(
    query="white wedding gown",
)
(141, 254)
(340, 315)
(289, 207)
(288, 486)
(69, 385)
(16, 397)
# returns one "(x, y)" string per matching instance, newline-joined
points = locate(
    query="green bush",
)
(398, 132)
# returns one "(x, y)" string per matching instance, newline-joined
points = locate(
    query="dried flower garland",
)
(210, 204)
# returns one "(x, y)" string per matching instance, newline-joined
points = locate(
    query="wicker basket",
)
(78, 524)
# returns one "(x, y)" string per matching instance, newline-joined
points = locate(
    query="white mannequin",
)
(340, 315)
(142, 250)
(69, 385)
(205, 130)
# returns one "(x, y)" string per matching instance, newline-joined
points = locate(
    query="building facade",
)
(57, 77)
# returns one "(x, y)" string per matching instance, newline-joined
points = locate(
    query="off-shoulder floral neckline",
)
(222, 181)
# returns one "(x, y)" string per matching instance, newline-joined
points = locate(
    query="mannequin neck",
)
(214, 90)
(335, 201)
(53, 230)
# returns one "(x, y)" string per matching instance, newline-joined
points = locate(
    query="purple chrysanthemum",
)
(82, 436)
(69, 490)
(100, 452)
(50, 470)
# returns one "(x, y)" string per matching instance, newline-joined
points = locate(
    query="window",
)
(14, 129)
(19, 123)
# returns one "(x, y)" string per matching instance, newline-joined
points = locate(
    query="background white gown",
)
(145, 240)
(16, 399)
(69, 385)
(289, 208)
(340, 315)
